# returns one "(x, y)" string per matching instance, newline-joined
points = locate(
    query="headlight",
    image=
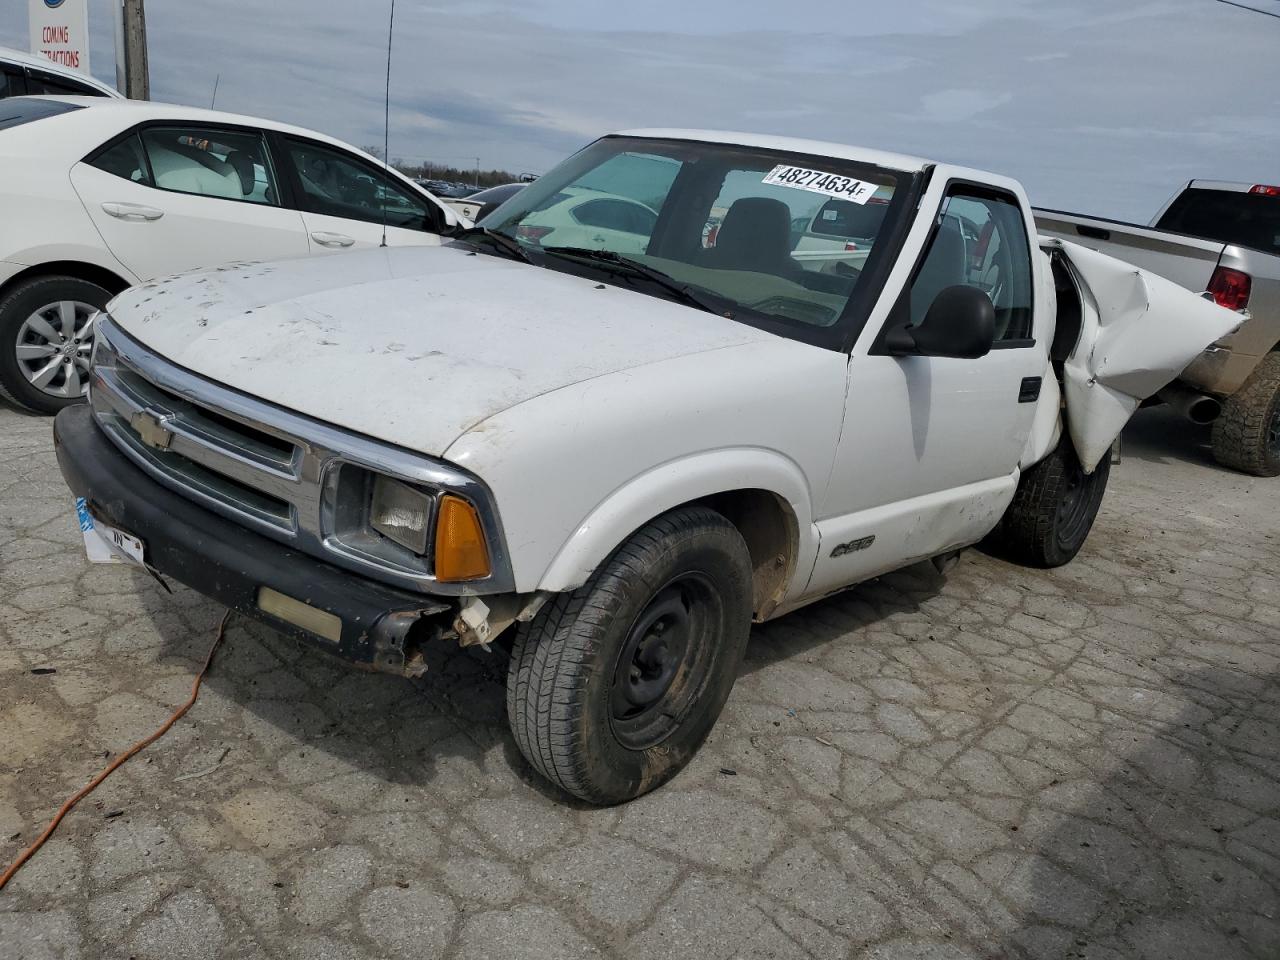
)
(422, 530)
(401, 513)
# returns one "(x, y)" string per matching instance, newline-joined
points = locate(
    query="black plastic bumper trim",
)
(227, 562)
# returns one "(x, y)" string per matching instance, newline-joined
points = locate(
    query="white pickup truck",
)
(616, 462)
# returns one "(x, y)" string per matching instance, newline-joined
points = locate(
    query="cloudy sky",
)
(1094, 105)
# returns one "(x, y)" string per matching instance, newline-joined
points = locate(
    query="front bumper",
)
(382, 627)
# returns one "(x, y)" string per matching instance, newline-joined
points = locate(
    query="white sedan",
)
(591, 218)
(101, 194)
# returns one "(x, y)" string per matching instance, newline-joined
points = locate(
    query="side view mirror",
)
(961, 323)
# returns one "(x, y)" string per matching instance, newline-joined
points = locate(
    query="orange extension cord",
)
(119, 761)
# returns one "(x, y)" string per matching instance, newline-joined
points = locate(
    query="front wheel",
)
(1052, 511)
(613, 687)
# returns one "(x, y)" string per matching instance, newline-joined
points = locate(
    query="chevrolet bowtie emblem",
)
(151, 429)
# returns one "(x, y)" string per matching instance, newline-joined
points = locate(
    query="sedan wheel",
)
(46, 340)
(54, 346)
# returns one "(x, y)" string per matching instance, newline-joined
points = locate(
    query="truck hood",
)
(410, 346)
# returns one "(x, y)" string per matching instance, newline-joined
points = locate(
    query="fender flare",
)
(678, 482)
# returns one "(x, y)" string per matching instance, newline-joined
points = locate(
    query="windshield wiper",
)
(633, 269)
(499, 241)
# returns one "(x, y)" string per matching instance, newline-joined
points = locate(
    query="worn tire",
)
(1246, 436)
(18, 304)
(1052, 511)
(563, 684)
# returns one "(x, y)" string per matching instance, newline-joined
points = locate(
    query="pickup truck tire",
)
(33, 316)
(1052, 511)
(1246, 435)
(613, 687)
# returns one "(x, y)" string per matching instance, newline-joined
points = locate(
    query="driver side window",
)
(338, 185)
(981, 241)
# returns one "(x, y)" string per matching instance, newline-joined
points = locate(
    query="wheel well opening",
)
(103, 277)
(769, 528)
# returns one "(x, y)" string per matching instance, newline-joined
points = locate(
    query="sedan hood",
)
(410, 346)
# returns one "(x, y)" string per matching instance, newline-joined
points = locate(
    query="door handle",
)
(331, 239)
(132, 211)
(1029, 389)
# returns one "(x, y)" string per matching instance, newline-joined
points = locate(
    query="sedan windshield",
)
(759, 235)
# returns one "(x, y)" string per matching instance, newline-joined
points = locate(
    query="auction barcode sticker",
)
(819, 181)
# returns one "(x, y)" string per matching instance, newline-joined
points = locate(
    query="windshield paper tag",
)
(817, 181)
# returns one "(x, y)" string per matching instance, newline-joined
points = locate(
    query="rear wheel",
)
(1052, 511)
(1246, 436)
(46, 338)
(612, 688)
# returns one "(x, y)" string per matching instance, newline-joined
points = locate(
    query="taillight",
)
(850, 246)
(532, 234)
(1264, 190)
(1230, 288)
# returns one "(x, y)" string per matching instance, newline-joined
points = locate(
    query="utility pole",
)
(133, 77)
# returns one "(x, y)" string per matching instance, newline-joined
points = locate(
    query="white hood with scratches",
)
(410, 346)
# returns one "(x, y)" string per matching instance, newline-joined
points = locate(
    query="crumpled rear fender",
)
(1138, 332)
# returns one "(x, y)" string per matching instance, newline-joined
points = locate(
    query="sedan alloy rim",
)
(54, 346)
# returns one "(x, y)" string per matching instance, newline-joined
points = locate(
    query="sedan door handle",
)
(132, 211)
(331, 239)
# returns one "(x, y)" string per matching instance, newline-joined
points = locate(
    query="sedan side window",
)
(336, 184)
(209, 162)
(39, 82)
(616, 215)
(124, 159)
(981, 242)
(12, 83)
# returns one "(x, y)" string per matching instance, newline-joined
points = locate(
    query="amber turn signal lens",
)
(461, 553)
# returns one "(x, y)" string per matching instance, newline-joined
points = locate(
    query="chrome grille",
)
(274, 471)
(216, 459)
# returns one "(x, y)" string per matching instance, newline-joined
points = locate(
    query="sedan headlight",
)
(401, 513)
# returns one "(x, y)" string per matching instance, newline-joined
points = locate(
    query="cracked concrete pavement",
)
(999, 763)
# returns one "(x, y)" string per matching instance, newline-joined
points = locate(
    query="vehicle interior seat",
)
(187, 174)
(756, 235)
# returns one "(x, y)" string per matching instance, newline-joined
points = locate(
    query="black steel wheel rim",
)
(665, 662)
(1073, 511)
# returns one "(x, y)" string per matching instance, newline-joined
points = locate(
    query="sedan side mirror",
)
(961, 323)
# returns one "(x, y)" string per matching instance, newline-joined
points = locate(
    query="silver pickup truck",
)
(1222, 239)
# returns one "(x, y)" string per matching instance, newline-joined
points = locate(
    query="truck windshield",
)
(1228, 216)
(712, 226)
